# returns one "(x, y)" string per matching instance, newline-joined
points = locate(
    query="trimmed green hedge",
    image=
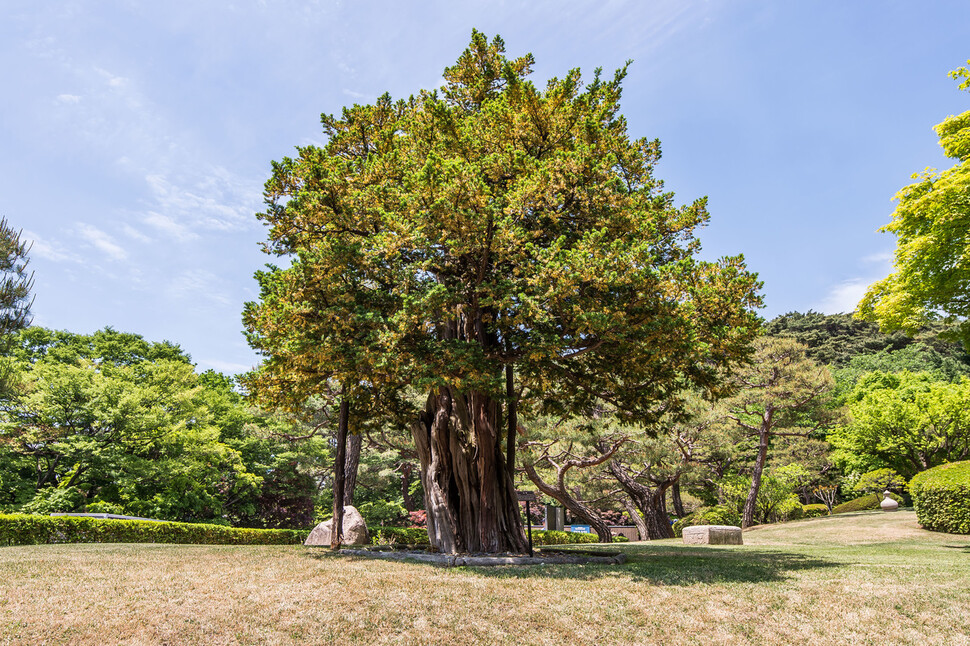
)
(30, 529)
(556, 537)
(403, 535)
(720, 515)
(863, 503)
(814, 511)
(419, 536)
(941, 496)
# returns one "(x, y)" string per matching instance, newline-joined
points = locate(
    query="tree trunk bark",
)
(652, 501)
(658, 520)
(676, 499)
(336, 533)
(351, 464)
(406, 470)
(512, 421)
(747, 517)
(469, 492)
(575, 507)
(634, 513)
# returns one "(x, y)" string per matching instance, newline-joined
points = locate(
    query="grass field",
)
(865, 578)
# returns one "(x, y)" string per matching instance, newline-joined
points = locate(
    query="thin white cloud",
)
(199, 287)
(112, 80)
(844, 297)
(114, 118)
(102, 241)
(48, 250)
(168, 226)
(134, 233)
(880, 258)
(216, 200)
(225, 367)
(355, 95)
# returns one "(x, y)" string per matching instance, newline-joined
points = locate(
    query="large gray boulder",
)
(712, 535)
(354, 530)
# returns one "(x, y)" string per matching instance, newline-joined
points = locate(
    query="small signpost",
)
(528, 497)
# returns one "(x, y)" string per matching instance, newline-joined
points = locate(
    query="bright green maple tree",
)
(932, 224)
(905, 421)
(499, 248)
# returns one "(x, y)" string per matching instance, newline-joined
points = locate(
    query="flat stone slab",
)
(457, 560)
(712, 535)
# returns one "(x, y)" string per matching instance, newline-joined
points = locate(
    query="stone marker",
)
(888, 504)
(712, 535)
(354, 530)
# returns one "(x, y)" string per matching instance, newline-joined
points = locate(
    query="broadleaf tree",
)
(489, 245)
(932, 226)
(904, 421)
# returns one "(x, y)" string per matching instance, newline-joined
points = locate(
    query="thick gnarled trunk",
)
(469, 491)
(677, 501)
(576, 508)
(558, 491)
(651, 501)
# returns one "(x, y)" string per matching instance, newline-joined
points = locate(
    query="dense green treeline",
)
(829, 410)
(110, 422)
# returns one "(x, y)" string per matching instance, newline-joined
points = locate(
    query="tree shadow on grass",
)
(677, 566)
(963, 548)
(656, 564)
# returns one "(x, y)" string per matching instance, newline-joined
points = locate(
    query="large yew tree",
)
(500, 249)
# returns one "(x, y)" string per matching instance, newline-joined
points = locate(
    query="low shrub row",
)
(30, 529)
(556, 537)
(863, 503)
(402, 535)
(941, 497)
(419, 536)
(719, 515)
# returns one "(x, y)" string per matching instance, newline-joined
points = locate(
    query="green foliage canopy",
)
(905, 421)
(15, 281)
(436, 239)
(443, 242)
(932, 226)
(117, 424)
(879, 480)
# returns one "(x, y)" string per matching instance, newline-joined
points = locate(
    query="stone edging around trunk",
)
(457, 560)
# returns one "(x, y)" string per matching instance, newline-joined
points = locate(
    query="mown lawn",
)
(867, 578)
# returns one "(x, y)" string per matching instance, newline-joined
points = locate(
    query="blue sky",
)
(135, 137)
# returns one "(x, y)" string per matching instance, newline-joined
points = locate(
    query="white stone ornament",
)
(888, 504)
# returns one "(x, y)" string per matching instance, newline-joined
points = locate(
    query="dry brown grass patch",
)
(800, 584)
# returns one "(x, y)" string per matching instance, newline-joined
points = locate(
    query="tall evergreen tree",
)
(15, 281)
(483, 235)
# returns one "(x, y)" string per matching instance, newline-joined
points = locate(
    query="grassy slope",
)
(865, 578)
